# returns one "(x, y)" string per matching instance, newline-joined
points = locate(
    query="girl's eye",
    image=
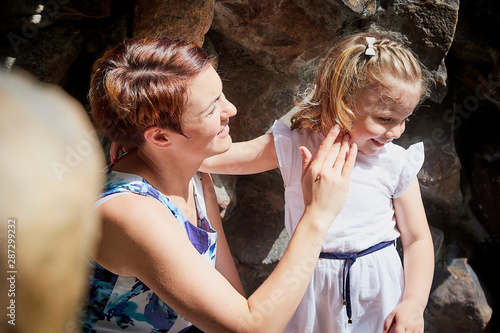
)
(384, 120)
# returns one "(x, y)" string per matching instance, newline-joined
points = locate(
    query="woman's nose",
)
(229, 110)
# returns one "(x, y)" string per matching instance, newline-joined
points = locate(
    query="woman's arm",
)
(244, 158)
(418, 252)
(224, 262)
(160, 254)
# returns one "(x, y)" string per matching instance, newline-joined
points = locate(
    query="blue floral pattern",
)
(119, 303)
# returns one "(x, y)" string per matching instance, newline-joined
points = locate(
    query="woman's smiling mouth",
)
(224, 131)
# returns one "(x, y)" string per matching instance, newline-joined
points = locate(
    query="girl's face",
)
(206, 116)
(381, 114)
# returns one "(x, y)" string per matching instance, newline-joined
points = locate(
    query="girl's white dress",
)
(367, 218)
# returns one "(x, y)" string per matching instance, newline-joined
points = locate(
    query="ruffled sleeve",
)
(414, 159)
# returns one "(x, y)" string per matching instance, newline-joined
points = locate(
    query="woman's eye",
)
(213, 109)
(384, 120)
(215, 105)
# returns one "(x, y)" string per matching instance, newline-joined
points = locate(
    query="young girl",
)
(369, 84)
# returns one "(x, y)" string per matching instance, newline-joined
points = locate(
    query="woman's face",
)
(381, 114)
(206, 116)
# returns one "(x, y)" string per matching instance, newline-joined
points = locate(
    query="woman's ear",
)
(157, 136)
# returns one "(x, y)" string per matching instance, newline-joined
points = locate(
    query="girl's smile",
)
(381, 114)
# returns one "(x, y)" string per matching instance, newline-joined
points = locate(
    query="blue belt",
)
(350, 258)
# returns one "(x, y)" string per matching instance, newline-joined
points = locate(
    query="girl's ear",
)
(157, 136)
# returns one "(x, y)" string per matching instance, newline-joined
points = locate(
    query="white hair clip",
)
(370, 51)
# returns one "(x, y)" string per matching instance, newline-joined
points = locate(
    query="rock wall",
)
(267, 52)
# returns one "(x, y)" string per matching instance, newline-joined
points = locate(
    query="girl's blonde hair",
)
(346, 71)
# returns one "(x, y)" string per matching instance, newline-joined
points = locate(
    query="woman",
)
(160, 264)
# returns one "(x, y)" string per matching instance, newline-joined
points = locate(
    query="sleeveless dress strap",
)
(120, 183)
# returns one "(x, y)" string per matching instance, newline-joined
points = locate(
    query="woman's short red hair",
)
(142, 83)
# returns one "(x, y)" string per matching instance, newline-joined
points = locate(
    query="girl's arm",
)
(160, 254)
(243, 158)
(418, 252)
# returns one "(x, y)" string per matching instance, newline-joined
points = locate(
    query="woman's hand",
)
(114, 151)
(326, 178)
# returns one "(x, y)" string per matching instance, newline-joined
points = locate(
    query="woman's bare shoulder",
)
(130, 223)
